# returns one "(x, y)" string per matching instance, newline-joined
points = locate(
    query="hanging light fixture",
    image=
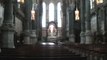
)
(99, 1)
(77, 14)
(33, 12)
(20, 2)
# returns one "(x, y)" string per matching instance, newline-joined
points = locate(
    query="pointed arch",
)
(59, 14)
(44, 15)
(51, 12)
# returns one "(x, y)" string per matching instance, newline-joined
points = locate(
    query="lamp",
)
(20, 2)
(77, 14)
(99, 1)
(32, 14)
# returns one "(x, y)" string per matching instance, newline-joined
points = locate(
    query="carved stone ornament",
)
(82, 33)
(88, 33)
(8, 27)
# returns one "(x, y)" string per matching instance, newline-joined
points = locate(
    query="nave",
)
(78, 29)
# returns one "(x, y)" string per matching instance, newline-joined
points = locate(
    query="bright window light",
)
(99, 1)
(51, 12)
(59, 15)
(44, 15)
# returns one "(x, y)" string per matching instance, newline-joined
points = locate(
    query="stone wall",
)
(94, 24)
(18, 25)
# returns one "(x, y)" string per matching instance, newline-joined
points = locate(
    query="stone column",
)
(64, 20)
(98, 26)
(26, 22)
(47, 20)
(68, 25)
(88, 33)
(104, 12)
(39, 27)
(105, 25)
(71, 22)
(1, 15)
(33, 31)
(55, 14)
(8, 26)
(82, 18)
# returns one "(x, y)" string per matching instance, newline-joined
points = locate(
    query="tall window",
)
(44, 15)
(51, 12)
(59, 15)
(92, 3)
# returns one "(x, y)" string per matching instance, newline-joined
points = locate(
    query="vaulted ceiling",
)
(47, 1)
(53, 1)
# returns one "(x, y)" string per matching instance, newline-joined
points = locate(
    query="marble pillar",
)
(100, 25)
(82, 17)
(27, 37)
(33, 37)
(105, 25)
(88, 33)
(1, 15)
(26, 27)
(39, 20)
(33, 32)
(8, 26)
(71, 22)
(64, 20)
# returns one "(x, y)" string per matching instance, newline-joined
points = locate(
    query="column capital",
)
(26, 33)
(88, 33)
(82, 33)
(72, 35)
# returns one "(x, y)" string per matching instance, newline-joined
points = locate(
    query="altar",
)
(52, 32)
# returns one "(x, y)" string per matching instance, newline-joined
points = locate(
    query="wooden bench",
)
(39, 53)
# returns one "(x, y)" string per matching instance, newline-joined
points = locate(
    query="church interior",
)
(53, 29)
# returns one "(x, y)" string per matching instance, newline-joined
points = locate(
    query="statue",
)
(52, 30)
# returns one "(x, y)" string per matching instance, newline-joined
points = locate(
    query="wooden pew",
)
(39, 53)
